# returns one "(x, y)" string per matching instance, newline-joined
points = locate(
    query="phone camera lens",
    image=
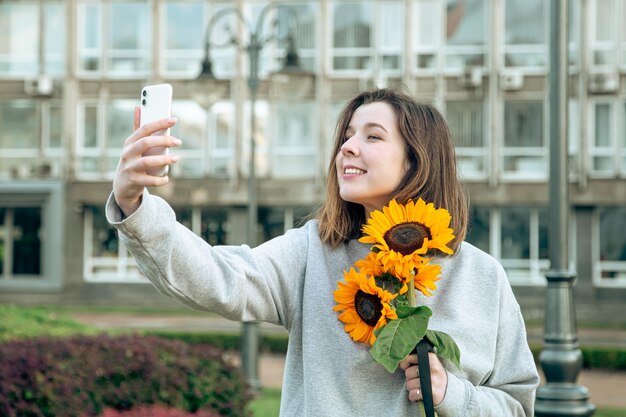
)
(144, 92)
(143, 101)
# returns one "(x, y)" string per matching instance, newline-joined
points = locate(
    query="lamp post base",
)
(563, 399)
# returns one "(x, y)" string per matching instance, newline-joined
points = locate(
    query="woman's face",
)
(373, 159)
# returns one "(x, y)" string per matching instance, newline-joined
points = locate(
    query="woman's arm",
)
(509, 390)
(237, 282)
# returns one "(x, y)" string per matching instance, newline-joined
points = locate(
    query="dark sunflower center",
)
(406, 237)
(368, 307)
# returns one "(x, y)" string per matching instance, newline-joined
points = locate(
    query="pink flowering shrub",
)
(84, 375)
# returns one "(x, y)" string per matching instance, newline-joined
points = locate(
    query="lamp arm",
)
(292, 18)
(213, 21)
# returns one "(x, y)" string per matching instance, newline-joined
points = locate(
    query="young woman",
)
(387, 146)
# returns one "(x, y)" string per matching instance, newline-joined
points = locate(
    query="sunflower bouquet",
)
(377, 300)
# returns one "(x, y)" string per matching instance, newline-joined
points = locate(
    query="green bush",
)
(83, 375)
(226, 341)
(610, 359)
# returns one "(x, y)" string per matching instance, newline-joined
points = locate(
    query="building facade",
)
(71, 72)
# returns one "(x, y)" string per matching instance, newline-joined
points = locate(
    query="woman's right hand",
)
(131, 177)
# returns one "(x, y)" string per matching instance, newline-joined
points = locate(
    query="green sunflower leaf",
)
(445, 346)
(407, 311)
(399, 337)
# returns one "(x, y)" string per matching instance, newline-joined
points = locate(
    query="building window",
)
(467, 125)
(27, 27)
(517, 236)
(605, 23)
(608, 138)
(103, 127)
(367, 37)
(461, 37)
(114, 38)
(525, 153)
(525, 32)
(288, 18)
(20, 243)
(183, 31)
(294, 148)
(610, 264)
(106, 258)
(30, 149)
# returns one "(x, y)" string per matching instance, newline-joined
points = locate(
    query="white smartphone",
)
(156, 103)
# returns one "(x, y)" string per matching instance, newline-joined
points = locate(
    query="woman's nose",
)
(350, 146)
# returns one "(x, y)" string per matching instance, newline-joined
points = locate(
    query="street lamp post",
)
(561, 358)
(206, 89)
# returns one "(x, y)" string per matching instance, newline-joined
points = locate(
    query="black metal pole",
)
(561, 358)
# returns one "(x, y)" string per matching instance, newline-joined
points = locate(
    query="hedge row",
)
(225, 341)
(610, 359)
(81, 376)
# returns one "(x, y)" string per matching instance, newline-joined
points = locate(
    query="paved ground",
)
(607, 389)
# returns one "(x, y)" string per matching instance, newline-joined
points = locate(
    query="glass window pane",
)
(543, 234)
(20, 125)
(466, 122)
(19, 38)
(605, 26)
(478, 230)
(55, 38)
(466, 31)
(294, 128)
(515, 233)
(130, 37)
(184, 25)
(26, 241)
(603, 125)
(426, 30)
(90, 36)
(105, 241)
(56, 125)
(90, 132)
(351, 25)
(612, 236)
(525, 33)
(523, 123)
(130, 27)
(214, 227)
(120, 123)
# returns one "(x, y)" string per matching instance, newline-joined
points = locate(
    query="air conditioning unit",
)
(603, 82)
(471, 77)
(512, 80)
(41, 86)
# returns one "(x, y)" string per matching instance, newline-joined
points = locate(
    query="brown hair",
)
(432, 174)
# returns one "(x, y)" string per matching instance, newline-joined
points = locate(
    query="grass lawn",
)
(268, 405)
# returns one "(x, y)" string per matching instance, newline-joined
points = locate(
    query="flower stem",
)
(411, 290)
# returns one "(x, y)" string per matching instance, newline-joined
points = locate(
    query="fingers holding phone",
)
(145, 157)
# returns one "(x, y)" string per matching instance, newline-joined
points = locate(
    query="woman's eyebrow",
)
(374, 124)
(368, 125)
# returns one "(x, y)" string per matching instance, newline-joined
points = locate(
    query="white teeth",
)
(353, 171)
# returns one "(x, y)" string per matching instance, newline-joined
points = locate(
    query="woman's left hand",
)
(438, 378)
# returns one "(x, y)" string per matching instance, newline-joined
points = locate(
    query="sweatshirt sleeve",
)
(509, 390)
(236, 282)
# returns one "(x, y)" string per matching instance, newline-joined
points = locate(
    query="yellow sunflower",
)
(402, 234)
(365, 307)
(426, 277)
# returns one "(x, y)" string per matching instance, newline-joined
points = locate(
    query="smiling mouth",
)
(354, 171)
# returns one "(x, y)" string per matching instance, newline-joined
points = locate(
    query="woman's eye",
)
(373, 137)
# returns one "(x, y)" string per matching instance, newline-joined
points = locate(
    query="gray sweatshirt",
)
(290, 281)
